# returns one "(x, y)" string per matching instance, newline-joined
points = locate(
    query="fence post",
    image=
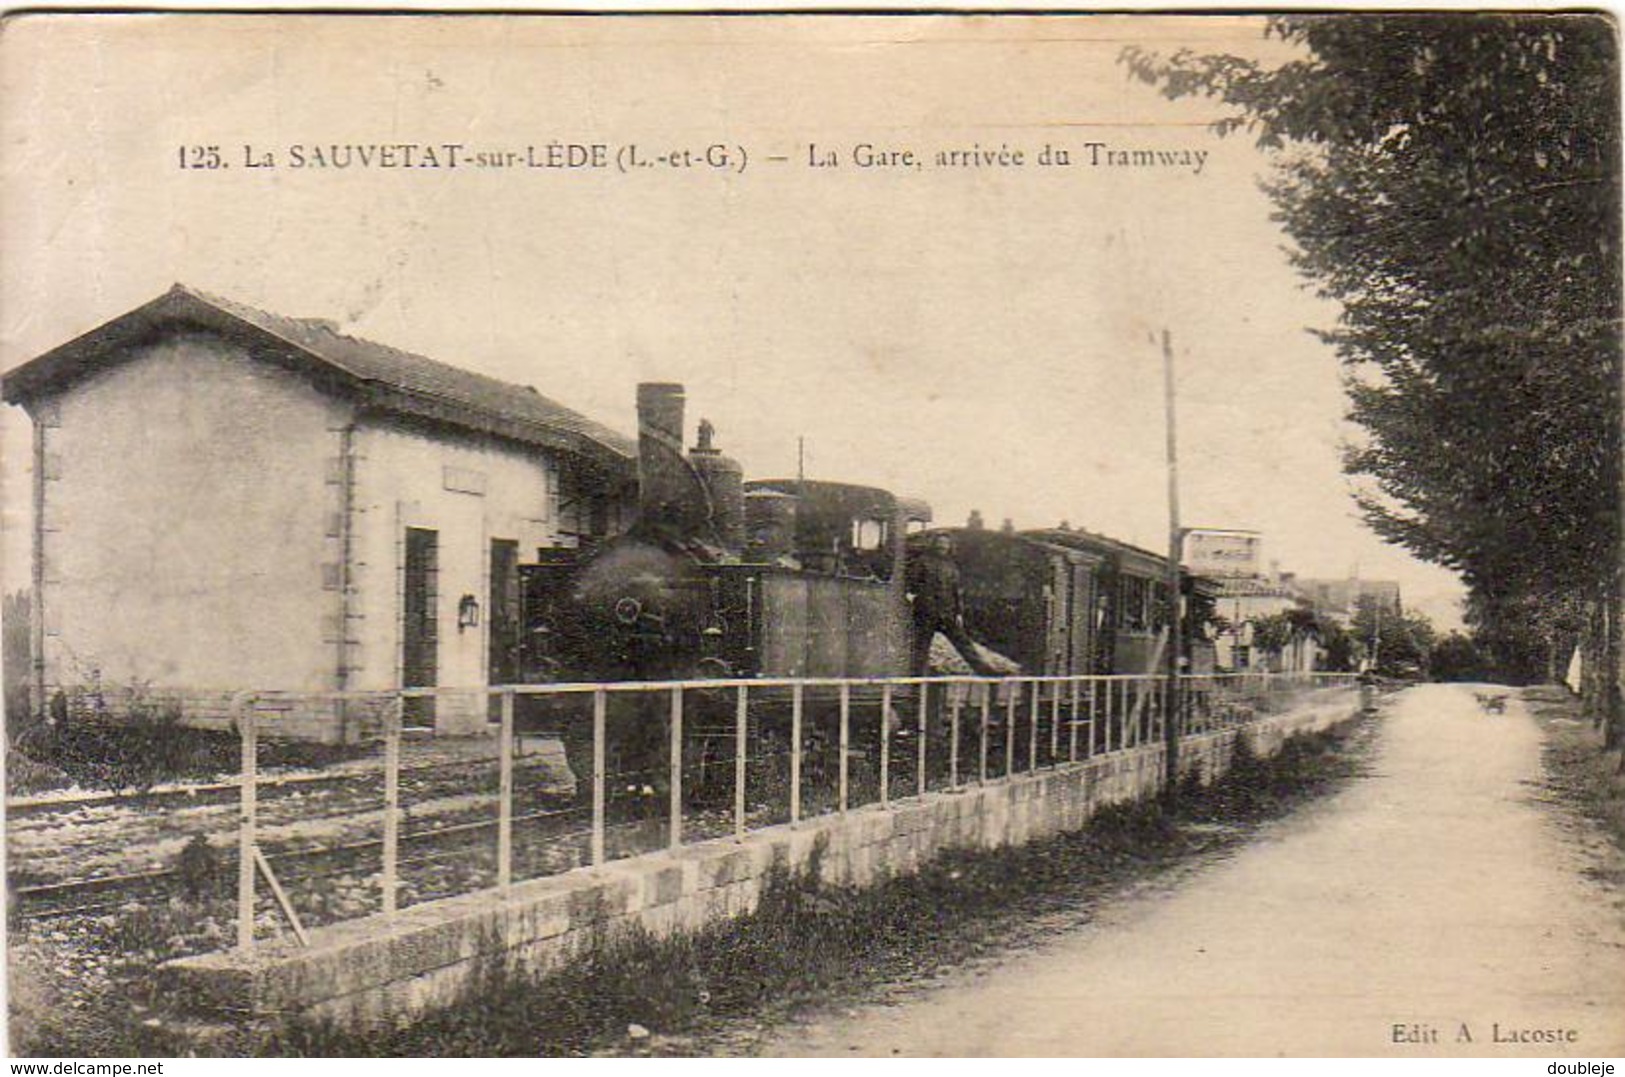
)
(1032, 737)
(392, 801)
(953, 741)
(919, 755)
(243, 712)
(1089, 741)
(1072, 726)
(846, 722)
(676, 808)
(740, 743)
(1101, 710)
(505, 792)
(795, 754)
(1055, 723)
(600, 723)
(1136, 709)
(885, 745)
(987, 715)
(1125, 714)
(1010, 727)
(1130, 716)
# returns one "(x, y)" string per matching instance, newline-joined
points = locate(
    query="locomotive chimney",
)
(725, 489)
(667, 493)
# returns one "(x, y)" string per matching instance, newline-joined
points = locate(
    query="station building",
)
(228, 499)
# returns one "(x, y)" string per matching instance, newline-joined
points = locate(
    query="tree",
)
(1274, 634)
(1457, 657)
(1451, 181)
(1339, 652)
(1398, 643)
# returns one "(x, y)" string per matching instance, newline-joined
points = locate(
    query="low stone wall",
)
(384, 969)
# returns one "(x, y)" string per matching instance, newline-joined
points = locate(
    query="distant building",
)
(1246, 594)
(228, 499)
(1340, 599)
(1241, 603)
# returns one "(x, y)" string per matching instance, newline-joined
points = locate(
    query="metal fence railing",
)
(582, 774)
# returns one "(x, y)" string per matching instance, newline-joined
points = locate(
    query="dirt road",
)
(1434, 907)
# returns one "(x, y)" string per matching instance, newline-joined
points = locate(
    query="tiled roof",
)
(388, 378)
(1078, 538)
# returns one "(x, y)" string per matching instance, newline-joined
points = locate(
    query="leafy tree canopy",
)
(1451, 180)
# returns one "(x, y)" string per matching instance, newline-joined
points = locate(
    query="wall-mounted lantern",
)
(468, 612)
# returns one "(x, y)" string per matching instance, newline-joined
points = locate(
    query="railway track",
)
(103, 894)
(456, 848)
(222, 792)
(443, 850)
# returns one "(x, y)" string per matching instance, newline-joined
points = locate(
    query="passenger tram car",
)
(1068, 602)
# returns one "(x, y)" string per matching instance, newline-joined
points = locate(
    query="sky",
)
(979, 336)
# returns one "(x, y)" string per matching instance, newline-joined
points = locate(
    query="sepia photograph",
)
(881, 535)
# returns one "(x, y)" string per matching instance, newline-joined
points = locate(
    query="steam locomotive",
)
(721, 578)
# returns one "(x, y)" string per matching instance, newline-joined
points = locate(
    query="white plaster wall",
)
(186, 508)
(402, 480)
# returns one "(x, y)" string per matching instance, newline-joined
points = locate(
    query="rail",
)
(588, 773)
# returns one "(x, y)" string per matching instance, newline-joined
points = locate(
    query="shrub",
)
(136, 749)
(18, 650)
(201, 869)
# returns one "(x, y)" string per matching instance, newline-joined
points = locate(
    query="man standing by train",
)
(938, 606)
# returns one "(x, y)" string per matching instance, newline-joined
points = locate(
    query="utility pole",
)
(1376, 634)
(1172, 708)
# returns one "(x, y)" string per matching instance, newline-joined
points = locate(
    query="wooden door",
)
(502, 660)
(420, 628)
